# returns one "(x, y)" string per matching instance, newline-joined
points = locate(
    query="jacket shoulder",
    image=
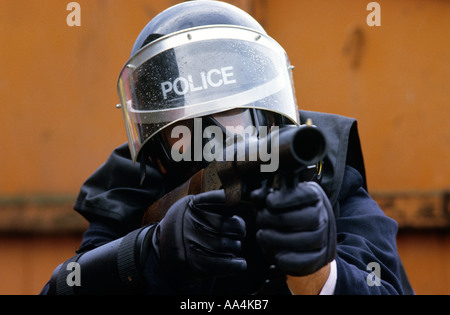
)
(344, 148)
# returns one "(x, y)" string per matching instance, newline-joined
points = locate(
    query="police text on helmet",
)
(213, 78)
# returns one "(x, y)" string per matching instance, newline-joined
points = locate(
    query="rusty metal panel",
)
(40, 215)
(416, 209)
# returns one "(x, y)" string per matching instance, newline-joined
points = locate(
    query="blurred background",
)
(58, 121)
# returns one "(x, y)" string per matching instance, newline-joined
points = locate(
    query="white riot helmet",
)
(199, 59)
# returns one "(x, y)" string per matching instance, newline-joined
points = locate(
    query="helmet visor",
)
(203, 71)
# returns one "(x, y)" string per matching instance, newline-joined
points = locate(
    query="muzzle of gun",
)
(295, 148)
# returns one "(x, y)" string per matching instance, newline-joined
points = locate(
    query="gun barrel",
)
(302, 146)
(292, 147)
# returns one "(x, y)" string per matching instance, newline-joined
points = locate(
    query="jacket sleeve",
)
(113, 200)
(366, 243)
(115, 193)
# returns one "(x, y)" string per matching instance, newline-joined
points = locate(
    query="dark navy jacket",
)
(113, 200)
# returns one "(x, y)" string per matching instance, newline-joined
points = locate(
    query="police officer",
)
(210, 62)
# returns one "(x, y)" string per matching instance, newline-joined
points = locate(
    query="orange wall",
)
(58, 89)
(58, 120)
(57, 84)
(398, 90)
(27, 263)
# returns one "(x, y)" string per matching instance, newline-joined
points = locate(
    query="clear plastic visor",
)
(202, 71)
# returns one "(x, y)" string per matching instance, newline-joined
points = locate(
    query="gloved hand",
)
(200, 237)
(296, 228)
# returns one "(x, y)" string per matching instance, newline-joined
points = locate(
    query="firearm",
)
(298, 148)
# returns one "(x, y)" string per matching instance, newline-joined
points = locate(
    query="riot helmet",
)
(197, 59)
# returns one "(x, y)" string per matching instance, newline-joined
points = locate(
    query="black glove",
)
(200, 237)
(296, 228)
